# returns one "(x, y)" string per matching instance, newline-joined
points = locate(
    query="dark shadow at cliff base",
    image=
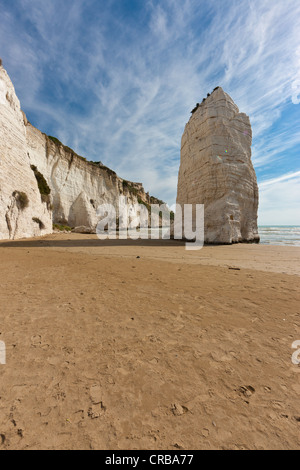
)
(94, 243)
(88, 243)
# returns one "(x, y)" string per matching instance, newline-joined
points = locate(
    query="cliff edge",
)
(24, 211)
(43, 182)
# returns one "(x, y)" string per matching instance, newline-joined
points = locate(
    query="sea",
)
(288, 235)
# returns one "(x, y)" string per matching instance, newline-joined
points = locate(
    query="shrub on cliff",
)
(43, 186)
(62, 228)
(154, 200)
(195, 108)
(39, 222)
(140, 201)
(22, 200)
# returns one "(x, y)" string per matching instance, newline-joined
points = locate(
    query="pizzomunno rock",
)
(216, 170)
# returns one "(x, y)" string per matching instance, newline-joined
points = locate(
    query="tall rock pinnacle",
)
(216, 170)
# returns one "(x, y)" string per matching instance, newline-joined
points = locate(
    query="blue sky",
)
(116, 80)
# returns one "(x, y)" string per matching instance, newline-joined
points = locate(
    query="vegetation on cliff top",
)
(127, 185)
(204, 99)
(66, 149)
(73, 153)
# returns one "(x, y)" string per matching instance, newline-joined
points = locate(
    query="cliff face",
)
(216, 170)
(78, 187)
(22, 210)
(44, 182)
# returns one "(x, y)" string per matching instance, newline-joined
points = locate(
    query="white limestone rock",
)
(216, 170)
(78, 187)
(22, 212)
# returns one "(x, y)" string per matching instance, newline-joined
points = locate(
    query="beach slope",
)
(143, 345)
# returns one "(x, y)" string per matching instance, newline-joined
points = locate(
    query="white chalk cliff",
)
(78, 187)
(216, 170)
(22, 211)
(44, 182)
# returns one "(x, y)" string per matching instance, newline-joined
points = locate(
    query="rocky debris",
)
(178, 410)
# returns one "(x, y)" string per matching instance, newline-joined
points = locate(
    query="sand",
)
(172, 350)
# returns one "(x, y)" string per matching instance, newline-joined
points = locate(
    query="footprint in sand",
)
(96, 394)
(247, 391)
(36, 341)
(96, 411)
(222, 356)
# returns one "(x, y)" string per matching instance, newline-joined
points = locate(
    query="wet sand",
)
(144, 345)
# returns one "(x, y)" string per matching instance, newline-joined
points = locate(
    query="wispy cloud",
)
(280, 200)
(117, 82)
(287, 177)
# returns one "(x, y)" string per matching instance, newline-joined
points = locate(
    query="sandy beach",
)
(144, 345)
